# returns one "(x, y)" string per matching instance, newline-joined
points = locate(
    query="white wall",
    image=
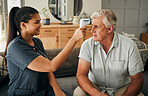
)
(132, 15)
(39, 4)
(0, 3)
(89, 6)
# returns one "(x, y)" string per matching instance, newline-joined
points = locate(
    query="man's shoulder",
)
(125, 40)
(89, 40)
(88, 43)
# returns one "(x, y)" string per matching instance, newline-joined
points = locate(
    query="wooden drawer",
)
(50, 30)
(67, 30)
(48, 34)
(65, 38)
(65, 35)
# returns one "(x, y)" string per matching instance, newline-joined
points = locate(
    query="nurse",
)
(30, 70)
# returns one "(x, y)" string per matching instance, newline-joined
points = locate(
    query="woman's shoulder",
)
(17, 43)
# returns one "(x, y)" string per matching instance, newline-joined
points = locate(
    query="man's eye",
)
(97, 27)
(36, 22)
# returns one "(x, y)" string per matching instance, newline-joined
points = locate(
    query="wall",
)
(132, 15)
(91, 5)
(88, 6)
(39, 4)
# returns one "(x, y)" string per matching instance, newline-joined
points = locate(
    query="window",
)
(3, 23)
(6, 5)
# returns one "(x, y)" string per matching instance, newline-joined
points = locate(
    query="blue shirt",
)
(24, 81)
(112, 70)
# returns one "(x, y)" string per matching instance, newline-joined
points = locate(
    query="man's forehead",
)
(97, 20)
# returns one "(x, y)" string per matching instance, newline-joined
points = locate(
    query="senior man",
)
(109, 63)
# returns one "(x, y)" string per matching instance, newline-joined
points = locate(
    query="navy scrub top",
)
(24, 81)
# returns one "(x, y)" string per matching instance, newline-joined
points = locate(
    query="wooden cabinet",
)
(144, 37)
(65, 35)
(49, 37)
(57, 36)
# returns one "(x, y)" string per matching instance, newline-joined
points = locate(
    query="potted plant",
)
(45, 12)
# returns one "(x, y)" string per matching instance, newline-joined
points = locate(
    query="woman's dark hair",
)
(16, 16)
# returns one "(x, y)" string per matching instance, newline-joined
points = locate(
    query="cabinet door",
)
(65, 35)
(50, 38)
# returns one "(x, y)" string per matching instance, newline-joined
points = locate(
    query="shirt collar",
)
(115, 41)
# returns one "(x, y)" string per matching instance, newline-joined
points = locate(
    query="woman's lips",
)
(38, 30)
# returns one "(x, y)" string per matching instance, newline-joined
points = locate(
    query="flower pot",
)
(46, 21)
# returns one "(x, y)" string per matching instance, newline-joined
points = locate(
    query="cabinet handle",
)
(57, 38)
(47, 30)
(69, 37)
(70, 30)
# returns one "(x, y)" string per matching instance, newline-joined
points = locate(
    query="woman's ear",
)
(110, 28)
(23, 25)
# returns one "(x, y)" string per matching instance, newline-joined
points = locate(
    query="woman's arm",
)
(55, 86)
(49, 66)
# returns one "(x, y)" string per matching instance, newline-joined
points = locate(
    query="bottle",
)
(84, 15)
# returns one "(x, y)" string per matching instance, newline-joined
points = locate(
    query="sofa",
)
(66, 74)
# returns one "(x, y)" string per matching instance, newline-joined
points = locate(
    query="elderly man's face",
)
(99, 30)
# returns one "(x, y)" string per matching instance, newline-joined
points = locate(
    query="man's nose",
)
(92, 30)
(40, 24)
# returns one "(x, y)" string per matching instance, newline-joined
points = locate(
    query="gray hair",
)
(109, 19)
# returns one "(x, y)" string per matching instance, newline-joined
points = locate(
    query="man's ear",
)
(110, 28)
(23, 25)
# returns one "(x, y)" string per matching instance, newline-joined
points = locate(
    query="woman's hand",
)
(103, 94)
(63, 94)
(60, 93)
(79, 33)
